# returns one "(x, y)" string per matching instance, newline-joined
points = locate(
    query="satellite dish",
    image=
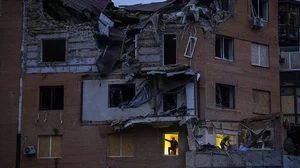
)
(288, 145)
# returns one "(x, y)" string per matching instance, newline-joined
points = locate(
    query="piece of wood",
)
(44, 146)
(128, 145)
(56, 146)
(114, 145)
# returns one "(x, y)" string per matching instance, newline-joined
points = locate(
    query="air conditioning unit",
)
(29, 150)
(257, 22)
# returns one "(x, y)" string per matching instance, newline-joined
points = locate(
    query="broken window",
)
(190, 47)
(293, 21)
(169, 49)
(121, 145)
(54, 50)
(51, 97)
(50, 146)
(260, 55)
(219, 138)
(171, 144)
(261, 100)
(225, 96)
(170, 100)
(259, 8)
(224, 47)
(121, 94)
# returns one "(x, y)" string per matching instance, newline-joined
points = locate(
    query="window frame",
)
(265, 18)
(163, 144)
(259, 55)
(222, 47)
(231, 87)
(121, 145)
(52, 87)
(50, 147)
(42, 50)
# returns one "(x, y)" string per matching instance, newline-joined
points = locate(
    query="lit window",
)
(171, 144)
(260, 55)
(54, 50)
(219, 138)
(261, 100)
(121, 145)
(224, 47)
(259, 8)
(225, 96)
(50, 146)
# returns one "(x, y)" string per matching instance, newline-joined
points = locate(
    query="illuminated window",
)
(219, 138)
(121, 145)
(171, 144)
(50, 146)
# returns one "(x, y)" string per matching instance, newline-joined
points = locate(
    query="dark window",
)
(169, 49)
(51, 97)
(259, 9)
(170, 101)
(225, 96)
(224, 47)
(54, 50)
(224, 4)
(121, 94)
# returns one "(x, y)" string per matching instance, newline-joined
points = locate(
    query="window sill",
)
(47, 158)
(260, 66)
(171, 155)
(218, 58)
(224, 109)
(51, 110)
(121, 156)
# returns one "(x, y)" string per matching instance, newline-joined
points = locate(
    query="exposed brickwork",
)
(10, 51)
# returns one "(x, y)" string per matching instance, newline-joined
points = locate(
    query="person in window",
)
(173, 147)
(223, 143)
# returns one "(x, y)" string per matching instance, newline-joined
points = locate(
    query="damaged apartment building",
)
(107, 86)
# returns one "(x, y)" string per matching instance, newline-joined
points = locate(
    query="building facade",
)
(289, 70)
(111, 87)
(10, 49)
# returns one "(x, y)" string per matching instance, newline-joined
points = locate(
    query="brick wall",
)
(10, 51)
(86, 146)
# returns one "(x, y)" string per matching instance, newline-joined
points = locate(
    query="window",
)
(261, 100)
(290, 104)
(169, 49)
(219, 138)
(224, 47)
(225, 96)
(171, 144)
(121, 145)
(259, 8)
(50, 146)
(54, 50)
(51, 97)
(121, 94)
(260, 55)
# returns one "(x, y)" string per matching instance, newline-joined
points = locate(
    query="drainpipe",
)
(18, 147)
